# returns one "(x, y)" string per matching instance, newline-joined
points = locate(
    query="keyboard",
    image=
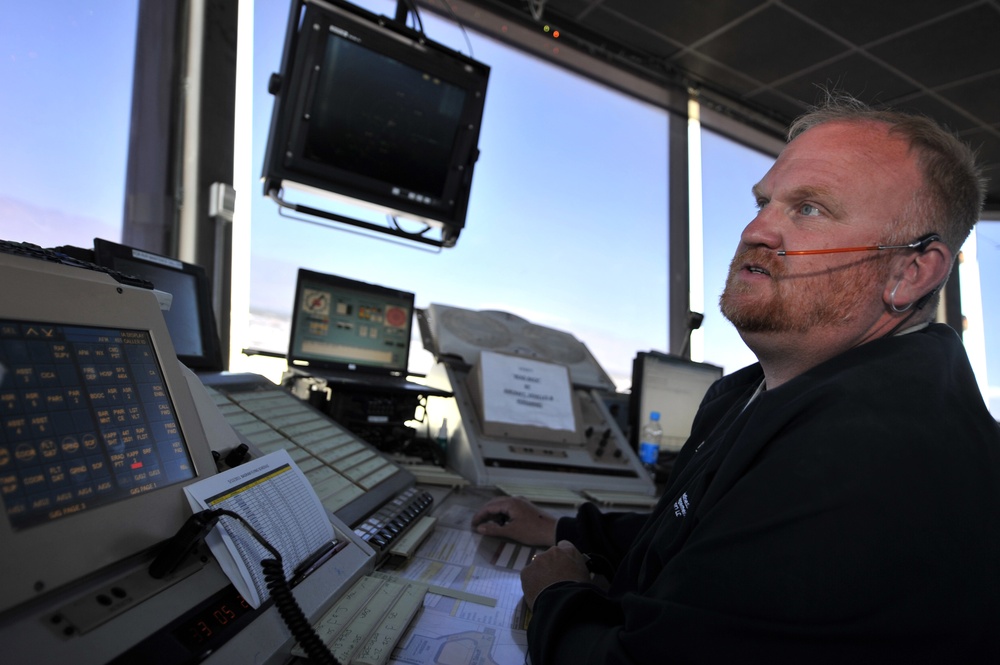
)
(339, 466)
(352, 479)
(393, 520)
(31, 251)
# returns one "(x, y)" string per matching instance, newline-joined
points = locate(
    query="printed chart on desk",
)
(454, 631)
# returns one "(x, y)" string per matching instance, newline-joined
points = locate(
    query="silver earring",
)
(892, 300)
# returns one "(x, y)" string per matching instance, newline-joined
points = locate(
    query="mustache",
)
(776, 266)
(758, 257)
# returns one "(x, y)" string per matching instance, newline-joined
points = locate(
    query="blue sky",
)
(64, 116)
(566, 217)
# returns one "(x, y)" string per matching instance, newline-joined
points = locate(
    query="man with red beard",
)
(838, 501)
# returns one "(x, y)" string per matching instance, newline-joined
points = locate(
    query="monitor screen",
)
(672, 386)
(86, 421)
(370, 110)
(99, 428)
(408, 141)
(344, 324)
(190, 319)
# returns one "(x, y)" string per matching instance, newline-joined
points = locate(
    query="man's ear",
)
(919, 276)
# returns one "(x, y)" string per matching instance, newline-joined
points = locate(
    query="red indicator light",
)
(136, 465)
(555, 35)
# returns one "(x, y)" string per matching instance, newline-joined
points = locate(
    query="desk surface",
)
(450, 631)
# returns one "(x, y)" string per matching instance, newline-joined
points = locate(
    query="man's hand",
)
(515, 518)
(557, 564)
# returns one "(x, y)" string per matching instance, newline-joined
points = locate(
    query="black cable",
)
(394, 221)
(418, 24)
(281, 592)
(278, 587)
(468, 42)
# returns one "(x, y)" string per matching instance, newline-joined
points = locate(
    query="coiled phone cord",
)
(280, 590)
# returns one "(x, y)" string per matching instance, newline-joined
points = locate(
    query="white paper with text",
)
(521, 391)
(273, 495)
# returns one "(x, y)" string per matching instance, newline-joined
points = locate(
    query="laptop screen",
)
(345, 325)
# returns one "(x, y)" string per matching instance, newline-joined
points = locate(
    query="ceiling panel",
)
(622, 29)
(685, 21)
(781, 105)
(865, 21)
(855, 73)
(781, 43)
(933, 106)
(956, 47)
(979, 97)
(766, 58)
(707, 69)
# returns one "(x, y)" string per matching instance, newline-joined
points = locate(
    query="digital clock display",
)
(201, 630)
(215, 621)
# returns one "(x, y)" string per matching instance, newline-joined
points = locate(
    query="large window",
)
(979, 275)
(729, 170)
(566, 224)
(66, 76)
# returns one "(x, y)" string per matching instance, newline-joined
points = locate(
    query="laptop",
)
(352, 334)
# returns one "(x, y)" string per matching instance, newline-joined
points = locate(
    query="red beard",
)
(795, 301)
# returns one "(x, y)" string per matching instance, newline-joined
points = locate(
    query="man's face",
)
(836, 185)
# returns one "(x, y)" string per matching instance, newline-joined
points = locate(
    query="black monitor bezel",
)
(297, 359)
(43, 558)
(108, 254)
(636, 414)
(284, 162)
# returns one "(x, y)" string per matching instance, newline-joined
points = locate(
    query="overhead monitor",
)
(368, 109)
(99, 432)
(672, 386)
(190, 319)
(347, 325)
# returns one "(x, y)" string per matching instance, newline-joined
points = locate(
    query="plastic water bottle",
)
(442, 437)
(649, 443)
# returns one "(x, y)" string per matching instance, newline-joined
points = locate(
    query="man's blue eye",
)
(809, 210)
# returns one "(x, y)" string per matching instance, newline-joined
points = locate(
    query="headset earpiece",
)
(922, 244)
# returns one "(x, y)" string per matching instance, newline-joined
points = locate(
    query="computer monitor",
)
(100, 432)
(190, 319)
(346, 325)
(672, 386)
(368, 109)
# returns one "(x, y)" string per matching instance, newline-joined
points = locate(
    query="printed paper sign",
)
(521, 391)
